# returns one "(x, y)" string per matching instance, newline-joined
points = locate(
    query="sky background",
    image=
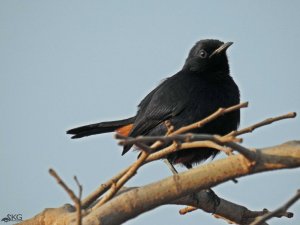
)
(69, 63)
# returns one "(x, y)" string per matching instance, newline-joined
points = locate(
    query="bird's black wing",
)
(164, 102)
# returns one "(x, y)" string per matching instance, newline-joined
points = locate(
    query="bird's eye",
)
(202, 53)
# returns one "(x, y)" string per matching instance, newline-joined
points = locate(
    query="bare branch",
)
(262, 123)
(78, 202)
(75, 199)
(167, 190)
(63, 184)
(200, 123)
(189, 137)
(79, 187)
(193, 137)
(176, 188)
(281, 211)
(127, 175)
(187, 210)
(250, 155)
(114, 189)
(210, 118)
(102, 189)
(205, 140)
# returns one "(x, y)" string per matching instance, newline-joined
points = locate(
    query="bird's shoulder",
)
(164, 102)
(169, 94)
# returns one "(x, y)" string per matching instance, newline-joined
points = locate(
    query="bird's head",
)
(208, 56)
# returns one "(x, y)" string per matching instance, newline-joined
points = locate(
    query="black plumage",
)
(201, 87)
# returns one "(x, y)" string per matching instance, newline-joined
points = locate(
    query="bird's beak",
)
(222, 48)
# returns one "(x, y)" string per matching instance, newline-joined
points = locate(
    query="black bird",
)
(201, 87)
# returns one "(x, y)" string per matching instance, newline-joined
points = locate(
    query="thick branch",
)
(233, 211)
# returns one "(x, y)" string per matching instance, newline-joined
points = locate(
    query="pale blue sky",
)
(68, 63)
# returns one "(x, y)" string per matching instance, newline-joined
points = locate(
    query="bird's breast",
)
(206, 98)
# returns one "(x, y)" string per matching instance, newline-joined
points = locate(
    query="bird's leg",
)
(171, 167)
(170, 129)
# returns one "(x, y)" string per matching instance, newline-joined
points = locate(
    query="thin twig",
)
(187, 209)
(102, 189)
(79, 187)
(78, 202)
(170, 127)
(198, 124)
(63, 184)
(192, 141)
(209, 144)
(210, 118)
(75, 199)
(281, 211)
(123, 179)
(262, 123)
(250, 155)
(246, 152)
(189, 137)
(175, 147)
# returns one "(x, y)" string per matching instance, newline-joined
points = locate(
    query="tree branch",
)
(75, 199)
(281, 211)
(115, 188)
(210, 118)
(135, 202)
(262, 123)
(167, 191)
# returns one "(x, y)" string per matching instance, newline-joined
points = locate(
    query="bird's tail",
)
(122, 126)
